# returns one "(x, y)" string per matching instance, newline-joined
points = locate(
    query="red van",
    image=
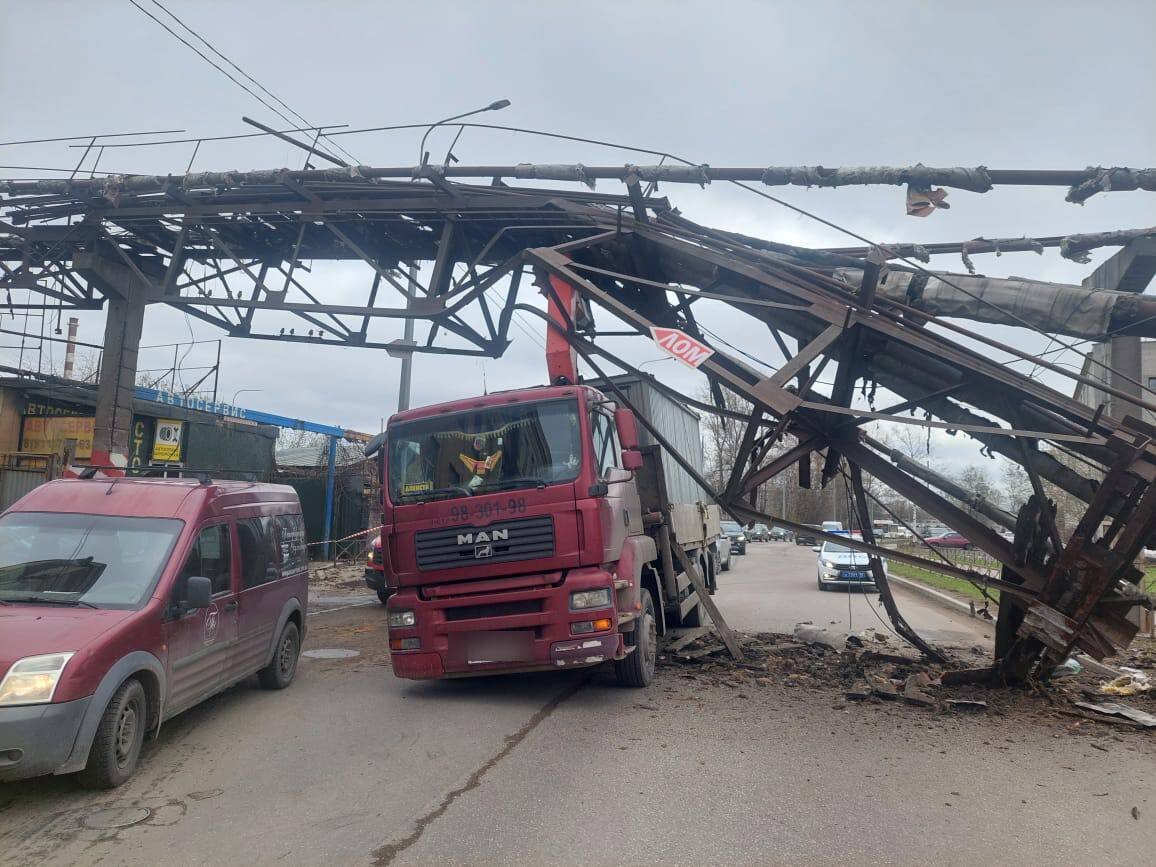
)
(126, 601)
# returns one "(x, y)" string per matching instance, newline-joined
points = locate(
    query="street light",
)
(233, 402)
(497, 105)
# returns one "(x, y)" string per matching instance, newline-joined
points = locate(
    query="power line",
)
(264, 89)
(215, 66)
(86, 137)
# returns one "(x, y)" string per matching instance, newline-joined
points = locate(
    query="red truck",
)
(532, 530)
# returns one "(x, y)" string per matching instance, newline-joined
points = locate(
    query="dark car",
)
(760, 533)
(737, 536)
(950, 540)
(806, 537)
(124, 602)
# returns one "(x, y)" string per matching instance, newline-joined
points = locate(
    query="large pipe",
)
(978, 179)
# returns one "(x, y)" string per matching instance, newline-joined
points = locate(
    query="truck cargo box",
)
(678, 424)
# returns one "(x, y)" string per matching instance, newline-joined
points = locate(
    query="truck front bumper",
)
(38, 738)
(504, 630)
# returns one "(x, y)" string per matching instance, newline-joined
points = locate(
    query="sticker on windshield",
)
(416, 487)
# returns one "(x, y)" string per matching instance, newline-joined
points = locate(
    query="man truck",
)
(535, 529)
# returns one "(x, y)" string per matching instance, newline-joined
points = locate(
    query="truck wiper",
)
(507, 484)
(42, 600)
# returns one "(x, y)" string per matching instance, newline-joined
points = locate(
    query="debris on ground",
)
(1132, 682)
(1114, 709)
(865, 669)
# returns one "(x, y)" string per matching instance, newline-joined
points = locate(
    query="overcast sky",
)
(1025, 85)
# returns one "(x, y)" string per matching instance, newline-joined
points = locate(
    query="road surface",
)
(352, 766)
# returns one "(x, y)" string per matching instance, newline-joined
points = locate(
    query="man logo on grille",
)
(483, 551)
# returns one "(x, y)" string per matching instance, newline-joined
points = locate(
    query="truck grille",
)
(500, 542)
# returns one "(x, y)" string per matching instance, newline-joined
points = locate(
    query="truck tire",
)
(279, 673)
(637, 669)
(119, 737)
(383, 595)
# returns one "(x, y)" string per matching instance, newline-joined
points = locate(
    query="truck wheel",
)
(383, 595)
(637, 669)
(279, 673)
(116, 747)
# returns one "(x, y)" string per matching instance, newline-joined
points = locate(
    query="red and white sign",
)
(681, 346)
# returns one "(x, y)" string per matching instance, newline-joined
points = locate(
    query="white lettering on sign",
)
(681, 346)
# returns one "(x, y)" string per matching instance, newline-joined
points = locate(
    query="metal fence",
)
(20, 473)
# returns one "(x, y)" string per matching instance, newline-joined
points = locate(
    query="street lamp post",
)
(497, 105)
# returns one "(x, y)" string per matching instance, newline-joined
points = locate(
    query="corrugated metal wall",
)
(679, 425)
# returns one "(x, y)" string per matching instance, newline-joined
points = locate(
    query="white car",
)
(840, 566)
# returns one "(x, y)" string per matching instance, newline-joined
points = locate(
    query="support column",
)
(330, 483)
(122, 334)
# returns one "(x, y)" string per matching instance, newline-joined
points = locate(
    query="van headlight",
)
(402, 617)
(33, 679)
(583, 599)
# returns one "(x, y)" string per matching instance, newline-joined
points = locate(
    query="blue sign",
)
(228, 410)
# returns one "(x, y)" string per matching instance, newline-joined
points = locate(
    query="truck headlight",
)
(402, 617)
(33, 680)
(583, 599)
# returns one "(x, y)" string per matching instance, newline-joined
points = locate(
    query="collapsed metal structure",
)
(232, 249)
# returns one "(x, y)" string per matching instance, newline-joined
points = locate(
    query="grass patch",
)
(946, 582)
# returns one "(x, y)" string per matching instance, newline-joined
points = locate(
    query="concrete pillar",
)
(122, 334)
(1124, 357)
(127, 291)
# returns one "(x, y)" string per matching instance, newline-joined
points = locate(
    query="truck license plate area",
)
(497, 646)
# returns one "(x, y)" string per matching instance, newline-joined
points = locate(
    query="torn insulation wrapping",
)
(1053, 307)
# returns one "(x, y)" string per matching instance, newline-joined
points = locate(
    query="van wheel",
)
(637, 669)
(279, 673)
(116, 747)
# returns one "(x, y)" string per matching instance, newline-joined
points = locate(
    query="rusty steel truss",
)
(236, 251)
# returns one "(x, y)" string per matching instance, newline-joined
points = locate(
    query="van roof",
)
(150, 498)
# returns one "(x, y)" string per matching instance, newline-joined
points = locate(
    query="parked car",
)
(124, 602)
(950, 540)
(375, 571)
(807, 537)
(760, 533)
(840, 566)
(737, 536)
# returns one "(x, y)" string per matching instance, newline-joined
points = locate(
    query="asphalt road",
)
(352, 766)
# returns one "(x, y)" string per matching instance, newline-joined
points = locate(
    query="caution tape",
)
(347, 538)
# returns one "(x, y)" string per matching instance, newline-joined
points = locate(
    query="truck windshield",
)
(499, 448)
(91, 561)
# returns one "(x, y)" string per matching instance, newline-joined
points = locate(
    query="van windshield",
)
(500, 448)
(93, 561)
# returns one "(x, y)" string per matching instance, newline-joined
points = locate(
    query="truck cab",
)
(514, 534)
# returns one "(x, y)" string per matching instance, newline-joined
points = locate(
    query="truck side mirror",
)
(198, 593)
(631, 459)
(627, 429)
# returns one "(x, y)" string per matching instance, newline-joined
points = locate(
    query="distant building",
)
(46, 425)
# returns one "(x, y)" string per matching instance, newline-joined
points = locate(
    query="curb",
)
(931, 593)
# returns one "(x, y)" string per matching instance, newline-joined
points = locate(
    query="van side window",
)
(210, 558)
(291, 542)
(605, 447)
(258, 554)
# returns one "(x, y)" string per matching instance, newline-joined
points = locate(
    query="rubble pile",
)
(874, 667)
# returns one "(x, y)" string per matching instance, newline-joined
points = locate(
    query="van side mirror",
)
(198, 593)
(631, 459)
(627, 429)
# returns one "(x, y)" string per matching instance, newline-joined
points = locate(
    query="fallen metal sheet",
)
(1114, 708)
